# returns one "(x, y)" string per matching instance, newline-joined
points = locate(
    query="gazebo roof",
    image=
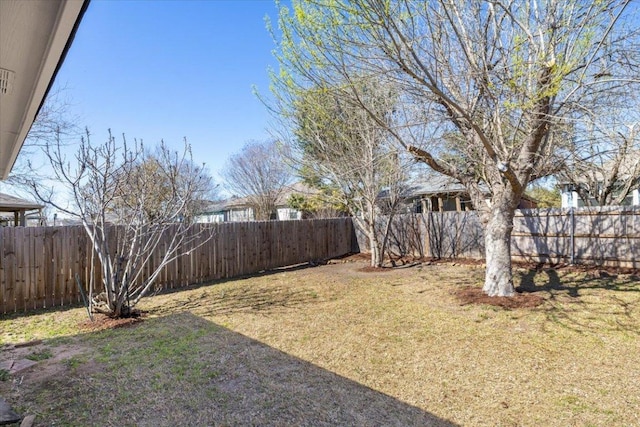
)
(10, 203)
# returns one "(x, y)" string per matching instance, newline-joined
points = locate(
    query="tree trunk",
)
(499, 276)
(376, 256)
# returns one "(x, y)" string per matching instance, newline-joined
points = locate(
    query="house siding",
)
(239, 215)
(571, 199)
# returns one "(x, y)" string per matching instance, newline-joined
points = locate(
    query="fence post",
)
(572, 234)
(426, 243)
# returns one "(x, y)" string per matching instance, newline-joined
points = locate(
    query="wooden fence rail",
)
(608, 236)
(38, 265)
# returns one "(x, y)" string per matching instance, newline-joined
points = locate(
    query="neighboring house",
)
(211, 212)
(238, 209)
(234, 209)
(284, 211)
(441, 193)
(35, 36)
(20, 212)
(571, 198)
(580, 185)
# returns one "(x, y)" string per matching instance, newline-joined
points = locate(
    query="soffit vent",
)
(6, 81)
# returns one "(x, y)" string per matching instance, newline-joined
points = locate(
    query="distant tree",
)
(546, 198)
(144, 200)
(152, 188)
(260, 174)
(54, 124)
(324, 204)
(504, 75)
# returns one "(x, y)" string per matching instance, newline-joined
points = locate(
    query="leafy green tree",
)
(345, 151)
(324, 204)
(546, 198)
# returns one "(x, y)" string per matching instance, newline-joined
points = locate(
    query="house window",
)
(449, 205)
(435, 204)
(466, 205)
(628, 201)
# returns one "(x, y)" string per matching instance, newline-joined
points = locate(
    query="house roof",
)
(35, 36)
(10, 203)
(435, 184)
(242, 202)
(438, 184)
(218, 206)
(296, 188)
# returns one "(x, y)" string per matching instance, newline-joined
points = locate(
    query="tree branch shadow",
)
(262, 300)
(586, 301)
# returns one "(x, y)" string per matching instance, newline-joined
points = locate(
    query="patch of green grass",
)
(40, 355)
(63, 340)
(574, 403)
(4, 375)
(75, 361)
(41, 324)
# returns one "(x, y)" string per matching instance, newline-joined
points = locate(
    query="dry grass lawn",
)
(333, 345)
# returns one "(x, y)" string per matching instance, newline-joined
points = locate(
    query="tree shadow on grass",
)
(586, 300)
(571, 285)
(262, 300)
(257, 274)
(553, 283)
(184, 370)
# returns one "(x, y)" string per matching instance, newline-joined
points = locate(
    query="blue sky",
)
(172, 69)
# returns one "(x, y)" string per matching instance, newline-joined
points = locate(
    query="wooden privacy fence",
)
(38, 265)
(608, 236)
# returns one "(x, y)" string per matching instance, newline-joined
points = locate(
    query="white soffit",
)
(34, 37)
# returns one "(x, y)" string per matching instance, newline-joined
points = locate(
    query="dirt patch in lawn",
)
(474, 295)
(101, 322)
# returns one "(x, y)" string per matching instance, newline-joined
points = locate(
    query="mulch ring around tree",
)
(101, 322)
(474, 295)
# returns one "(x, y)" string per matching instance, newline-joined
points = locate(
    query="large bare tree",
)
(260, 174)
(134, 205)
(502, 77)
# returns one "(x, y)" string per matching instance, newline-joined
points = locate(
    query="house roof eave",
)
(45, 29)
